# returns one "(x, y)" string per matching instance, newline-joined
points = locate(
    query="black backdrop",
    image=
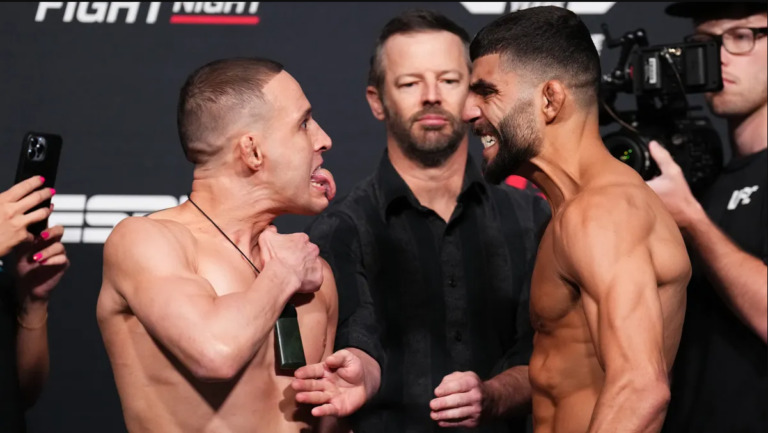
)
(107, 80)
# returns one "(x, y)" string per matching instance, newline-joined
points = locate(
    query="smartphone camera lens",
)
(36, 148)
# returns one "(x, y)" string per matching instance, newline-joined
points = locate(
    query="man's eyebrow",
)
(421, 74)
(482, 87)
(305, 114)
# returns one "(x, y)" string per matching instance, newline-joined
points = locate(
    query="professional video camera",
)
(660, 77)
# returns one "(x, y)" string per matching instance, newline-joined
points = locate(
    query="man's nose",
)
(725, 56)
(322, 141)
(431, 93)
(471, 111)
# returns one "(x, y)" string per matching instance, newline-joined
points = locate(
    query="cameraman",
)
(719, 379)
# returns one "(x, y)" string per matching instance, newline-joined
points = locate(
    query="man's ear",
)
(374, 100)
(553, 98)
(251, 151)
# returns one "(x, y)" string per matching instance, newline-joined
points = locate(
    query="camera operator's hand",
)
(672, 188)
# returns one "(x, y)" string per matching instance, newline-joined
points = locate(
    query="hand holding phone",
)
(16, 213)
(39, 156)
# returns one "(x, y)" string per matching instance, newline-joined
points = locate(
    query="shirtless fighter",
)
(608, 288)
(186, 318)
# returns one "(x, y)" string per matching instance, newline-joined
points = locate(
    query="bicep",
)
(623, 311)
(611, 264)
(150, 270)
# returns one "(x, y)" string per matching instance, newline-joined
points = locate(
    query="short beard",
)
(518, 143)
(433, 148)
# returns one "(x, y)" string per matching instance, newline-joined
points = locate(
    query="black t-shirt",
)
(11, 411)
(719, 381)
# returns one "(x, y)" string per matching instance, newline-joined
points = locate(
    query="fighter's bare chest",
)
(553, 297)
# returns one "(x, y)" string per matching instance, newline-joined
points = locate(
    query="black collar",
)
(393, 189)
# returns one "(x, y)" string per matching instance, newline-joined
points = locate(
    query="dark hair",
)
(216, 93)
(410, 21)
(544, 42)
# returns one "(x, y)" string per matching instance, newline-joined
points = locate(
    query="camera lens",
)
(631, 151)
(625, 154)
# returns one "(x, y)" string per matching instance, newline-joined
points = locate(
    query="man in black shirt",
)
(30, 267)
(719, 381)
(432, 264)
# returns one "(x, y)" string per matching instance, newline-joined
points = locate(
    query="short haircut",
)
(410, 21)
(216, 96)
(544, 43)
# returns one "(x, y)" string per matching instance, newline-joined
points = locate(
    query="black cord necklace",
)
(290, 351)
(225, 235)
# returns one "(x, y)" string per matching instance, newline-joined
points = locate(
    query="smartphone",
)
(40, 153)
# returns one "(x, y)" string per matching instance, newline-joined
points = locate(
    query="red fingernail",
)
(45, 235)
(42, 179)
(43, 262)
(37, 257)
(53, 191)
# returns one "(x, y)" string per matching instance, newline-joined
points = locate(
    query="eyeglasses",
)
(737, 40)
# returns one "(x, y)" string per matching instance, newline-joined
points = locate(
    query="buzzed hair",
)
(217, 95)
(544, 43)
(410, 21)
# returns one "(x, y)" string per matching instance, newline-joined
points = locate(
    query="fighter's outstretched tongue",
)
(324, 177)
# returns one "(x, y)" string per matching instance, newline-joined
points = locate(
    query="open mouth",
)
(488, 141)
(487, 134)
(322, 179)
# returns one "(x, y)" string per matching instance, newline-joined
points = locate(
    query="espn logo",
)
(90, 220)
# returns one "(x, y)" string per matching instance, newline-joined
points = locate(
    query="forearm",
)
(32, 356)
(508, 393)
(244, 320)
(630, 404)
(215, 336)
(740, 278)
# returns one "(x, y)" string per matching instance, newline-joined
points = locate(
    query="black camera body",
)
(660, 77)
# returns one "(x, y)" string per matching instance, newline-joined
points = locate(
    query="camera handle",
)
(620, 76)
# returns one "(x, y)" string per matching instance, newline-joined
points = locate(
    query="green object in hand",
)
(290, 351)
